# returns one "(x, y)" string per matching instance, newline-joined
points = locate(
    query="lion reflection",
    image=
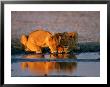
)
(50, 68)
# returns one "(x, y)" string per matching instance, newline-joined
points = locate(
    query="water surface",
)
(78, 65)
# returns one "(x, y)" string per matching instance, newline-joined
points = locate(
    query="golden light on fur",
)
(38, 39)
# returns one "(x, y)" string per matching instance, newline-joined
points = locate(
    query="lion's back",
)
(39, 37)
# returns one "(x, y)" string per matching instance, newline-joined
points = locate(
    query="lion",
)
(39, 39)
(68, 41)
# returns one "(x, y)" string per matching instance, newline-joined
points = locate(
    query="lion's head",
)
(67, 41)
(53, 43)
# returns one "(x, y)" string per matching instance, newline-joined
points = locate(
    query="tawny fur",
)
(38, 39)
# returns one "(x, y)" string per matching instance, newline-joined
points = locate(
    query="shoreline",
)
(16, 48)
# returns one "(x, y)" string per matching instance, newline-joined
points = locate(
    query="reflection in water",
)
(63, 56)
(59, 67)
(33, 56)
(53, 56)
(45, 68)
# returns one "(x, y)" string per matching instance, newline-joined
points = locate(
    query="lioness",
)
(68, 41)
(38, 39)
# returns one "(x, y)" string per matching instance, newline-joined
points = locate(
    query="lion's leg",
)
(52, 50)
(38, 49)
(34, 47)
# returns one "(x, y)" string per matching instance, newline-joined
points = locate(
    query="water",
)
(76, 65)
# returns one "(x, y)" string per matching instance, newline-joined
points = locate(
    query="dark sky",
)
(86, 23)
